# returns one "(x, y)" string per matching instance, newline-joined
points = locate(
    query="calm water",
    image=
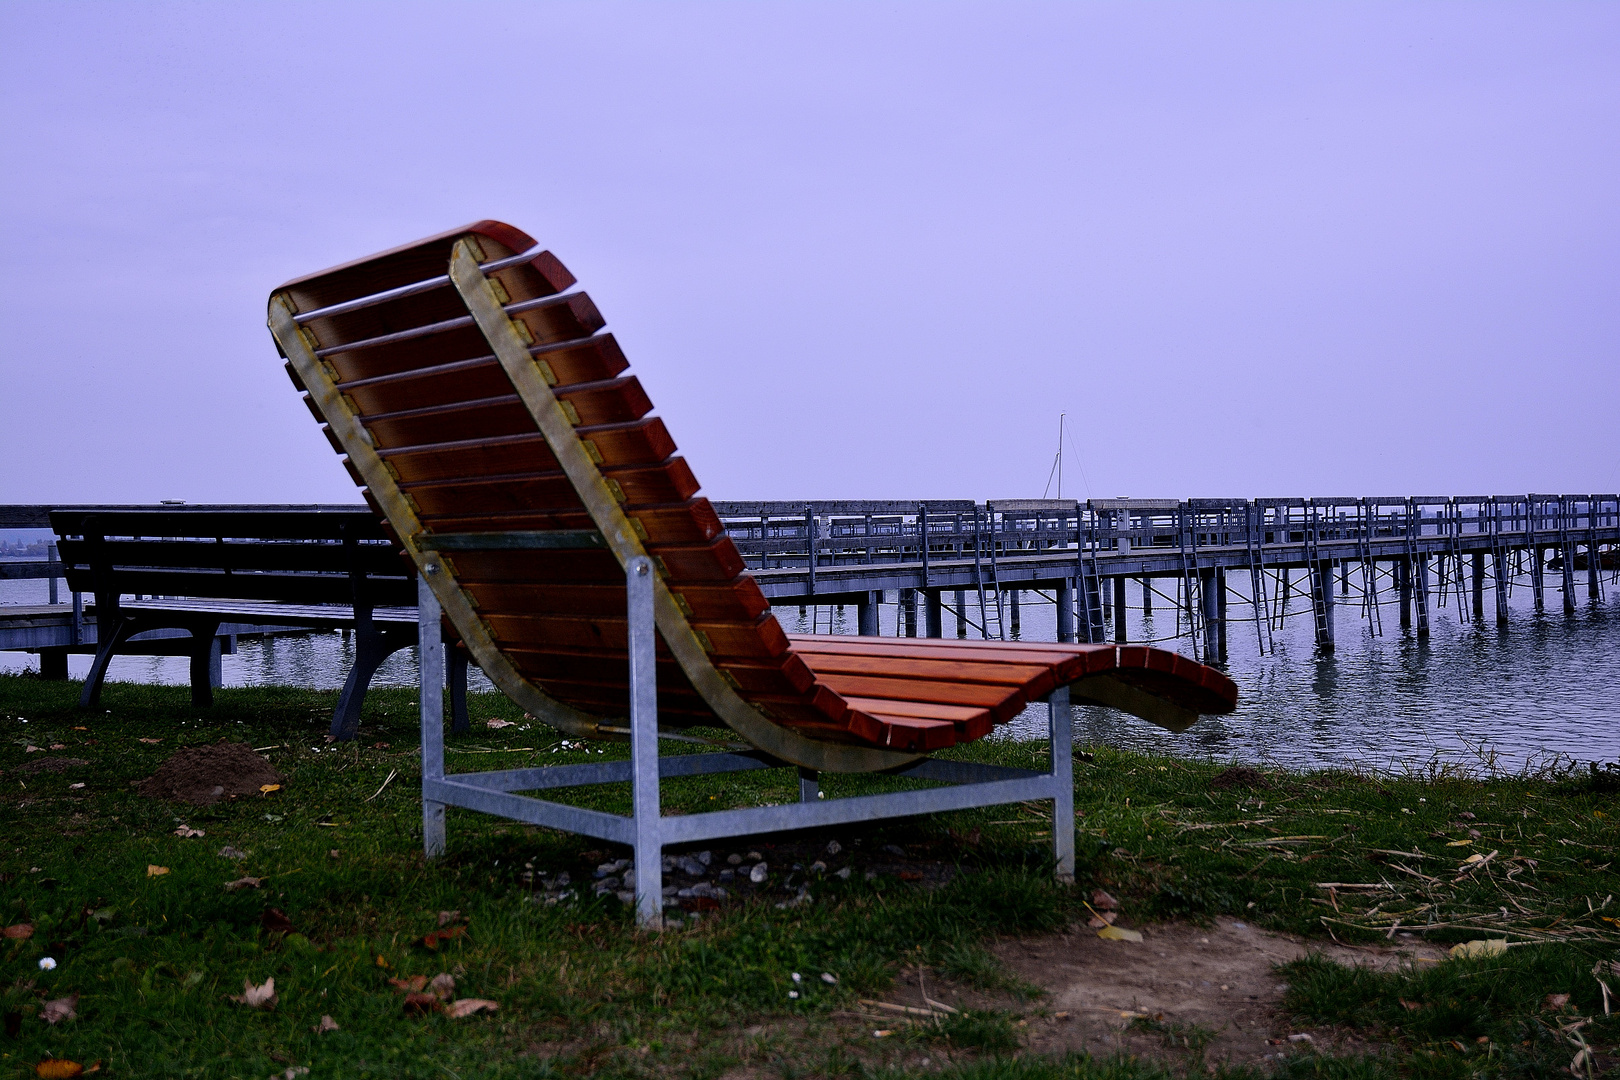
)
(1544, 685)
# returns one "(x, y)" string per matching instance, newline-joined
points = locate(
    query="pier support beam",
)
(866, 613)
(1065, 609)
(1500, 566)
(1147, 597)
(1012, 612)
(1403, 583)
(908, 610)
(1119, 609)
(1210, 584)
(1479, 586)
(1567, 553)
(1423, 596)
(1538, 584)
(1286, 590)
(1092, 621)
(1322, 603)
(934, 614)
(1594, 566)
(961, 613)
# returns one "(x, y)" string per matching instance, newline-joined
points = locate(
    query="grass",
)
(581, 993)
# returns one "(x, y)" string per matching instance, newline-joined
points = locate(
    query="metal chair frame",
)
(648, 830)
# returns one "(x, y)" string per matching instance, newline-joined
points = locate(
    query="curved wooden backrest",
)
(491, 422)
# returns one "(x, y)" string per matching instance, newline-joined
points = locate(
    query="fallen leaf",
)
(412, 985)
(244, 883)
(1103, 902)
(256, 997)
(443, 986)
(910, 875)
(75, 787)
(450, 933)
(1475, 857)
(58, 1069)
(20, 932)
(229, 852)
(1410, 1006)
(60, 1009)
(448, 917)
(498, 723)
(382, 961)
(265, 789)
(156, 871)
(468, 1006)
(275, 921)
(326, 1024)
(1459, 843)
(1119, 933)
(149, 742)
(58, 746)
(423, 1003)
(1479, 947)
(186, 832)
(1556, 1001)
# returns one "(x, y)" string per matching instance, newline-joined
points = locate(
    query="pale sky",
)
(852, 250)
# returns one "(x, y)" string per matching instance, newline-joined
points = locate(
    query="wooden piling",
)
(866, 613)
(934, 613)
(1147, 597)
(1012, 612)
(1500, 565)
(1479, 586)
(1065, 609)
(1403, 583)
(1119, 609)
(908, 608)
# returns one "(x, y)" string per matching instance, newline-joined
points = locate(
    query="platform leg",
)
(430, 667)
(646, 809)
(1061, 718)
(457, 660)
(206, 670)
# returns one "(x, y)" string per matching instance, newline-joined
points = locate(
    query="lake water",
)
(1543, 686)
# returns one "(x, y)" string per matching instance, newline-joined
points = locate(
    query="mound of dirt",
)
(1239, 776)
(203, 775)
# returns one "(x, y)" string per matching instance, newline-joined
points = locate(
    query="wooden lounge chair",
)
(494, 426)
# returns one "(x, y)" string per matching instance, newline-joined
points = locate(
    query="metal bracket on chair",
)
(647, 830)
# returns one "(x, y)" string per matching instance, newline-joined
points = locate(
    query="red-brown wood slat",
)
(639, 442)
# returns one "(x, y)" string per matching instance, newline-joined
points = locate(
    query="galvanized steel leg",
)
(1062, 744)
(809, 785)
(648, 846)
(430, 671)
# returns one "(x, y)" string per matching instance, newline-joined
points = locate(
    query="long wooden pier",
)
(974, 559)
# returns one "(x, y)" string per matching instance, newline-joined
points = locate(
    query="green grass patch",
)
(153, 959)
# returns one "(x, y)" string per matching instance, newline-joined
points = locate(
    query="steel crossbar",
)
(647, 830)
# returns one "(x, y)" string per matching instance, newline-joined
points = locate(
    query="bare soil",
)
(203, 775)
(1181, 989)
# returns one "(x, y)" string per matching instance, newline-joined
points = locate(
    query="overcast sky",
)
(863, 250)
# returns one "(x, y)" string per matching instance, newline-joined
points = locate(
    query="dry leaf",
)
(1410, 1006)
(448, 917)
(156, 871)
(382, 962)
(58, 1069)
(1119, 933)
(149, 742)
(1475, 857)
(423, 1003)
(1479, 947)
(498, 723)
(443, 986)
(244, 883)
(53, 1012)
(326, 1024)
(1103, 902)
(20, 932)
(58, 746)
(265, 789)
(275, 921)
(412, 985)
(256, 997)
(468, 1006)
(432, 939)
(1458, 843)
(1556, 1001)
(186, 832)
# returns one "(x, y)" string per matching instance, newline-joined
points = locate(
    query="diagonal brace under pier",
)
(647, 829)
